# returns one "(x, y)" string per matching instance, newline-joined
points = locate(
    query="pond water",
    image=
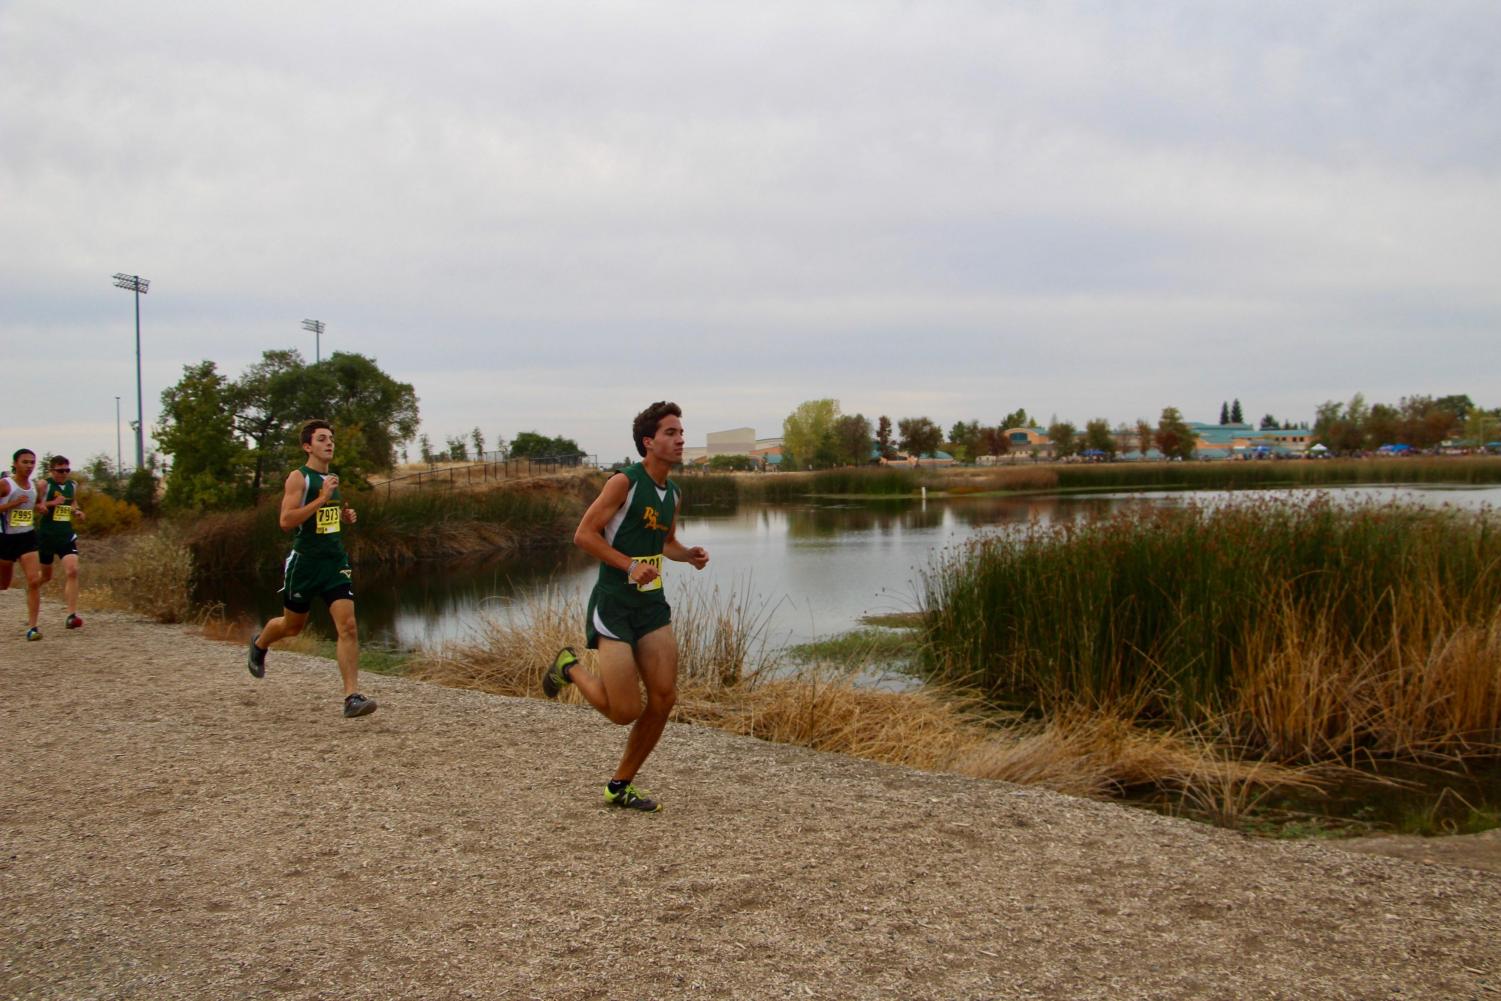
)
(813, 569)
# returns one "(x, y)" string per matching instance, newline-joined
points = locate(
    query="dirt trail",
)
(173, 828)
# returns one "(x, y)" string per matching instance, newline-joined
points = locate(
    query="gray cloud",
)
(544, 215)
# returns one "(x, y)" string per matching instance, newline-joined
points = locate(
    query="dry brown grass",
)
(726, 682)
(150, 573)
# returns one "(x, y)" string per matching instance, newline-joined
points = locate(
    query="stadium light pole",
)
(140, 286)
(118, 470)
(316, 326)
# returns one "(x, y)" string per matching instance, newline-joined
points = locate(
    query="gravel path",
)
(173, 828)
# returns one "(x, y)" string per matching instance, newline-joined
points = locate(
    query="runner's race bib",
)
(22, 517)
(63, 512)
(328, 519)
(655, 562)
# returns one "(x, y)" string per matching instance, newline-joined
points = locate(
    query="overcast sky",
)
(545, 216)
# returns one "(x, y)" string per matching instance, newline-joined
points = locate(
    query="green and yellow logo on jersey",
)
(649, 519)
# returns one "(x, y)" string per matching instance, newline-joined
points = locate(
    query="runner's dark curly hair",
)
(645, 424)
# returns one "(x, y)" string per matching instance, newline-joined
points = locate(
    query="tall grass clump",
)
(875, 481)
(1305, 631)
(152, 574)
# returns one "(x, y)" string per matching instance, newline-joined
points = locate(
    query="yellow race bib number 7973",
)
(328, 519)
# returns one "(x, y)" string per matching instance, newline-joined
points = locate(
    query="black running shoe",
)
(555, 677)
(257, 660)
(358, 705)
(631, 798)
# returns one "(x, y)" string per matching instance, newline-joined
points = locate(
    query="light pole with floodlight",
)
(118, 458)
(316, 326)
(140, 286)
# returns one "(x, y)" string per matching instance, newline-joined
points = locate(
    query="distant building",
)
(735, 441)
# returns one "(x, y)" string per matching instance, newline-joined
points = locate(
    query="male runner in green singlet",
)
(56, 539)
(629, 528)
(18, 507)
(318, 567)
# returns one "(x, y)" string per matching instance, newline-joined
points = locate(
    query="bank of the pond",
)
(1028, 477)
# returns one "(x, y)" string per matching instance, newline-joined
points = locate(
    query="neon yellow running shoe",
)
(631, 798)
(556, 675)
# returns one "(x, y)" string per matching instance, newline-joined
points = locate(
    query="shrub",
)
(105, 515)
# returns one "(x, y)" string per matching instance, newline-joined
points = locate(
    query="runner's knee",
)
(627, 712)
(349, 630)
(661, 700)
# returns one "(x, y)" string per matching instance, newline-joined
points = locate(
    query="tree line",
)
(817, 435)
(232, 440)
(1419, 422)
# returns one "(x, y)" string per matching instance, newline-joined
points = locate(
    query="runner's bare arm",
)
(293, 514)
(590, 535)
(15, 501)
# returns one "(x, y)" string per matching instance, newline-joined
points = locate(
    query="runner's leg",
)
(70, 582)
(657, 655)
(614, 690)
(348, 646)
(288, 623)
(7, 570)
(31, 566)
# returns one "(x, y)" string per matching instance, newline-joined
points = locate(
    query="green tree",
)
(143, 488)
(964, 439)
(265, 401)
(197, 428)
(1383, 426)
(808, 433)
(993, 441)
(852, 439)
(1481, 427)
(1268, 423)
(455, 446)
(1459, 405)
(1173, 438)
(1064, 437)
(885, 441)
(732, 463)
(1098, 437)
(530, 444)
(918, 436)
(1146, 436)
(103, 476)
(478, 438)
(426, 445)
(1237, 415)
(371, 413)
(1224, 412)
(1018, 418)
